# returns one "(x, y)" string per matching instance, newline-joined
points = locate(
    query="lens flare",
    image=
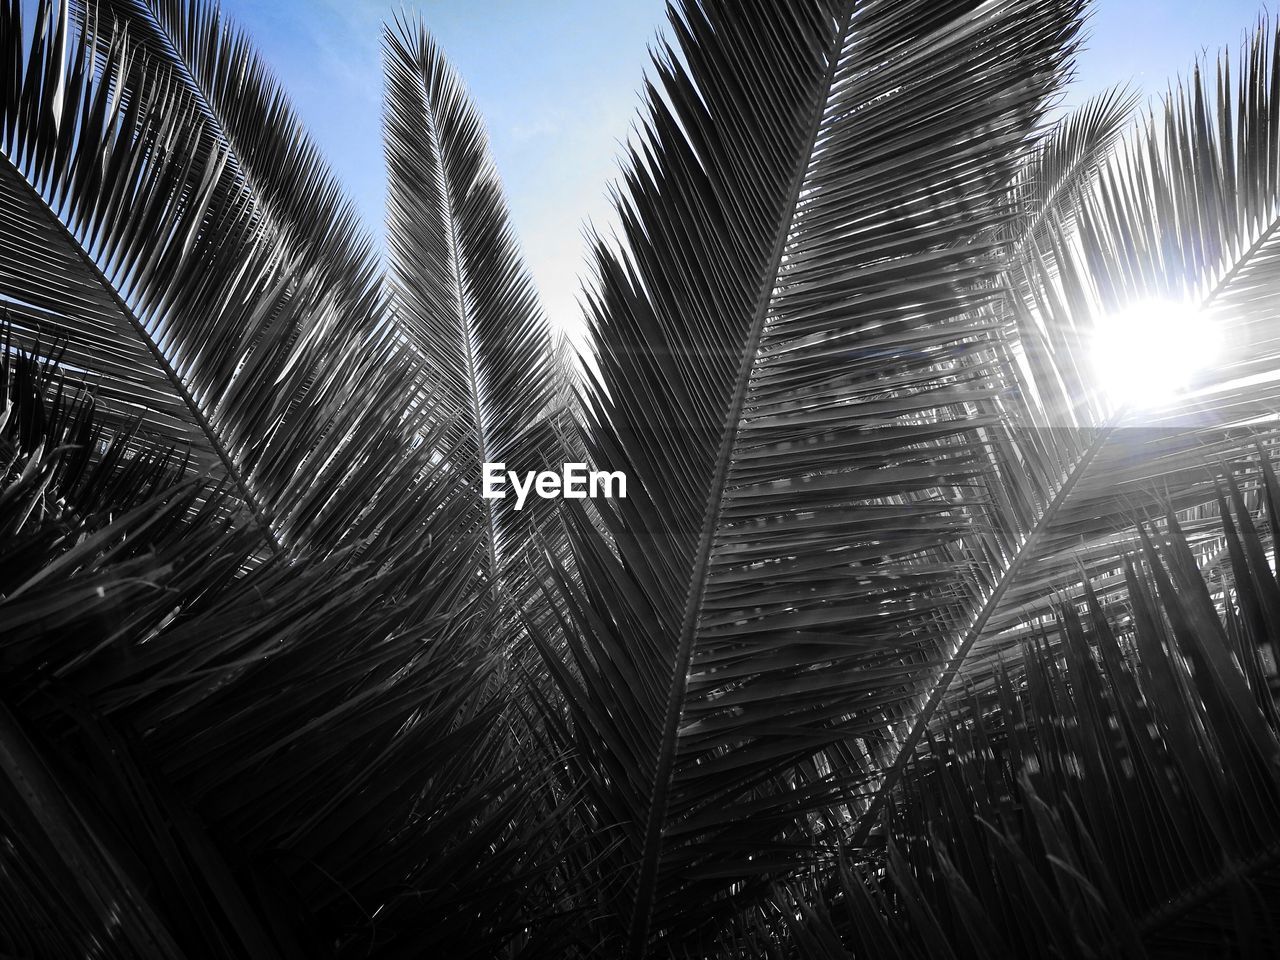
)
(1149, 352)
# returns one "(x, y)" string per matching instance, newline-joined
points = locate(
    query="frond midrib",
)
(651, 851)
(466, 334)
(1025, 552)
(250, 498)
(1013, 568)
(217, 125)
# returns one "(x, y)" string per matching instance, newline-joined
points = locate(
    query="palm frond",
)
(460, 288)
(1185, 211)
(208, 758)
(1049, 188)
(810, 218)
(1114, 796)
(247, 115)
(908, 639)
(134, 236)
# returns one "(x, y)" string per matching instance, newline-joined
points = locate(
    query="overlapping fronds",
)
(1184, 213)
(308, 758)
(247, 115)
(794, 374)
(134, 233)
(907, 640)
(1066, 163)
(1115, 799)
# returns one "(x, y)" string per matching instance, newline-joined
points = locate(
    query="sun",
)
(1146, 354)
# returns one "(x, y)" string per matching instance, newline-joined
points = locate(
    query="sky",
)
(557, 83)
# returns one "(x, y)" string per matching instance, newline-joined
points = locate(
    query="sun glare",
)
(1148, 352)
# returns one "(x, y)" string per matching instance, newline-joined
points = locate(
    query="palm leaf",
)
(1105, 799)
(203, 757)
(460, 289)
(811, 204)
(1050, 186)
(135, 236)
(1185, 211)
(247, 115)
(841, 352)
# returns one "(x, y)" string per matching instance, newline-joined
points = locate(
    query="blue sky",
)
(557, 82)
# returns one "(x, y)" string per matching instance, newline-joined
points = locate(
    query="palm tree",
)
(908, 640)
